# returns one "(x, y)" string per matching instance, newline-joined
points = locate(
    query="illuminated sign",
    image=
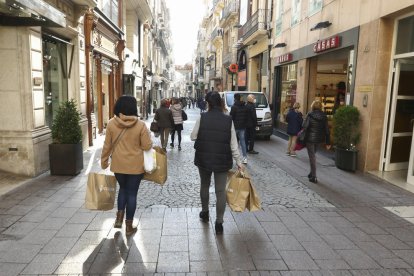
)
(326, 44)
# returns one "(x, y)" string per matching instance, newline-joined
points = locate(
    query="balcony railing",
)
(231, 9)
(256, 22)
(217, 32)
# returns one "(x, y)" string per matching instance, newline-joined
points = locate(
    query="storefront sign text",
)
(284, 58)
(326, 44)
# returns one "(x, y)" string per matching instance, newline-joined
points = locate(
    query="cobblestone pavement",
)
(274, 185)
(347, 224)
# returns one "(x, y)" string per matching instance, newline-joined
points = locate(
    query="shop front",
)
(104, 64)
(323, 71)
(398, 145)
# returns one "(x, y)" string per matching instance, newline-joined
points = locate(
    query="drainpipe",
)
(269, 47)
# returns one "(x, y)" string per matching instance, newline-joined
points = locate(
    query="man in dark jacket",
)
(251, 124)
(164, 118)
(239, 114)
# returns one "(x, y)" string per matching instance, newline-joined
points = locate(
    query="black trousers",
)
(250, 136)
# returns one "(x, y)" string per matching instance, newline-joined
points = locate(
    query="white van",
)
(264, 117)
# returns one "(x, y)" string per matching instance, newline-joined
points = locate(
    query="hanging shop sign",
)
(284, 58)
(326, 44)
(233, 68)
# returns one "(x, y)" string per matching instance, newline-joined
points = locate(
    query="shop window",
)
(55, 77)
(288, 92)
(405, 36)
(314, 6)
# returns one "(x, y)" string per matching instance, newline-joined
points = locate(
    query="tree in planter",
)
(66, 125)
(346, 136)
(65, 154)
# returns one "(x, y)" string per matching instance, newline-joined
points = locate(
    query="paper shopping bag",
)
(100, 192)
(159, 175)
(254, 199)
(238, 191)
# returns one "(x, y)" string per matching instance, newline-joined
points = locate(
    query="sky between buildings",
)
(185, 18)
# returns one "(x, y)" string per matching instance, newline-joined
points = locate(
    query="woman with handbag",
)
(176, 109)
(317, 132)
(215, 148)
(164, 118)
(131, 137)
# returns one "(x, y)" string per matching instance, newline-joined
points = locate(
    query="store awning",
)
(30, 13)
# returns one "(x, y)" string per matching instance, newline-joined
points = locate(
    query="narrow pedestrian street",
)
(347, 224)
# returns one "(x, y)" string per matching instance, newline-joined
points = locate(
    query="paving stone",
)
(174, 243)
(59, 245)
(355, 234)
(71, 230)
(44, 264)
(275, 228)
(319, 250)
(298, 260)
(262, 264)
(285, 242)
(238, 262)
(339, 242)
(107, 263)
(323, 228)
(305, 234)
(393, 263)
(139, 268)
(296, 273)
(370, 228)
(206, 266)
(173, 262)
(390, 242)
(204, 252)
(11, 269)
(375, 250)
(38, 236)
(357, 259)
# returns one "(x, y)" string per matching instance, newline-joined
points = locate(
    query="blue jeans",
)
(240, 136)
(127, 195)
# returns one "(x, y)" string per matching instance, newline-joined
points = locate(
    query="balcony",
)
(161, 42)
(216, 35)
(254, 28)
(229, 12)
(141, 7)
(218, 5)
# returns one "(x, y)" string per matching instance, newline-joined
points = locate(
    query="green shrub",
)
(346, 127)
(66, 128)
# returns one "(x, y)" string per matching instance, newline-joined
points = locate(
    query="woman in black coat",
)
(317, 132)
(164, 118)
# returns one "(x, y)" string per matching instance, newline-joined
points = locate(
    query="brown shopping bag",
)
(160, 174)
(254, 199)
(238, 191)
(100, 192)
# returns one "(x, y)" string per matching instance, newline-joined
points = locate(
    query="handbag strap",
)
(117, 140)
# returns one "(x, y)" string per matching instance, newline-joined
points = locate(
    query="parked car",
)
(264, 127)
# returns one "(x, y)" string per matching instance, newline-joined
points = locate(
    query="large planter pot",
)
(346, 159)
(65, 159)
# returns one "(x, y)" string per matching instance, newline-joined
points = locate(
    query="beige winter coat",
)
(128, 157)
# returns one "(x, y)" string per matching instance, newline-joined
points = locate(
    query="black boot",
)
(219, 228)
(204, 216)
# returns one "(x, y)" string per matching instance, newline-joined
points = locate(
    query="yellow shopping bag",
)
(160, 174)
(241, 193)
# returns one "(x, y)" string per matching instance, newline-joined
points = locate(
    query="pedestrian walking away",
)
(239, 114)
(215, 148)
(165, 121)
(127, 160)
(176, 109)
(294, 120)
(250, 134)
(317, 132)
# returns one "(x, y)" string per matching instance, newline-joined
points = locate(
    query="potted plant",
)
(65, 153)
(346, 136)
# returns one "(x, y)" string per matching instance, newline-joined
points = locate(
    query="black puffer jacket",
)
(213, 150)
(252, 117)
(316, 125)
(239, 113)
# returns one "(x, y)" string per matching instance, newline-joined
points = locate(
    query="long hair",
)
(126, 105)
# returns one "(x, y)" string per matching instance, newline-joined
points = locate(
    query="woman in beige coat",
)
(131, 137)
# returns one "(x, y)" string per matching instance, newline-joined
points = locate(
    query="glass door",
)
(400, 130)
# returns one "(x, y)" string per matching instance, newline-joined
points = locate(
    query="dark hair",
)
(237, 96)
(214, 100)
(126, 105)
(341, 85)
